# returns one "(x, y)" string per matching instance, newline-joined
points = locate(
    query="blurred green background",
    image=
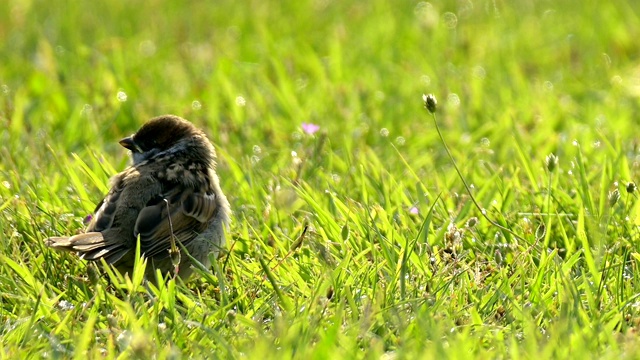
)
(77, 76)
(83, 74)
(343, 65)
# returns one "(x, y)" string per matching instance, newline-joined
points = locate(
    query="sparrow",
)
(169, 197)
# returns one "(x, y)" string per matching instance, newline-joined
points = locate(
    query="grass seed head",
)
(472, 222)
(631, 187)
(552, 162)
(94, 274)
(614, 196)
(231, 315)
(430, 102)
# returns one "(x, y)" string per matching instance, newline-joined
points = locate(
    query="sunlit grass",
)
(354, 240)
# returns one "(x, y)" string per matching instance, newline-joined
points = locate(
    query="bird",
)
(169, 197)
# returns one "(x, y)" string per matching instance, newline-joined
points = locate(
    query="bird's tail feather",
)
(89, 246)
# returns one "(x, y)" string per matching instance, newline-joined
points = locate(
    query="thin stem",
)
(174, 252)
(466, 186)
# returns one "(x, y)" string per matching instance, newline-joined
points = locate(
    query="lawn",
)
(504, 225)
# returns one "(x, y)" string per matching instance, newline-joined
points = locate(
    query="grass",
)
(369, 278)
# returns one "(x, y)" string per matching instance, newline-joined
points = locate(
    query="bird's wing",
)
(93, 245)
(105, 211)
(180, 213)
(109, 234)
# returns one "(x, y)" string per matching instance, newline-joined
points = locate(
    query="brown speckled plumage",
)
(171, 189)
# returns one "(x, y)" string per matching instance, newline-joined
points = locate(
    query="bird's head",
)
(157, 135)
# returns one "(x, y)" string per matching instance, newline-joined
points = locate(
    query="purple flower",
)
(414, 211)
(310, 128)
(88, 219)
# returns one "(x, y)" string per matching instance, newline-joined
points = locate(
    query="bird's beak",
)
(128, 143)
